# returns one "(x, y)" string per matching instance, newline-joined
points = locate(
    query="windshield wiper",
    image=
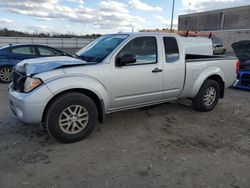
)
(88, 58)
(75, 55)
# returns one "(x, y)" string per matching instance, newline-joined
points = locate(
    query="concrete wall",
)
(224, 19)
(61, 43)
(237, 18)
(200, 22)
(229, 37)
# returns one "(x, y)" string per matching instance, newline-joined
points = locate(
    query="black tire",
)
(3, 71)
(56, 109)
(199, 101)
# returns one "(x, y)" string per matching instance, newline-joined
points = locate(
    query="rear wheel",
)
(5, 74)
(71, 117)
(208, 96)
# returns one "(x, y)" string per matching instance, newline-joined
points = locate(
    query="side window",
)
(143, 48)
(48, 52)
(24, 50)
(171, 49)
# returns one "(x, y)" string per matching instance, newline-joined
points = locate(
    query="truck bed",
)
(197, 57)
(199, 67)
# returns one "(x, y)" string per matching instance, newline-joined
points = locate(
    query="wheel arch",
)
(213, 73)
(99, 102)
(220, 81)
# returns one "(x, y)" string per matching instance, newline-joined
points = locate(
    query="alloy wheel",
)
(6, 74)
(209, 96)
(73, 119)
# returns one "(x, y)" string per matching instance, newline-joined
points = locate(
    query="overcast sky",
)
(99, 16)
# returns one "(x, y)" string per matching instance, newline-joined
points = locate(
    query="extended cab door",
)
(174, 67)
(138, 82)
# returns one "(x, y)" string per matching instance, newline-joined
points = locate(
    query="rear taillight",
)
(238, 67)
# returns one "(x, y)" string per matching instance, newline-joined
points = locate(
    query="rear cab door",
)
(174, 66)
(139, 82)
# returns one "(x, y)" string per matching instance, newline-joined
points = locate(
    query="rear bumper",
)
(239, 86)
(243, 80)
(29, 107)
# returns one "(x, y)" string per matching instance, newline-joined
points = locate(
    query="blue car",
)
(242, 51)
(13, 54)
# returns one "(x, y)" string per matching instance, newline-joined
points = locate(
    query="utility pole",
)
(171, 28)
(132, 27)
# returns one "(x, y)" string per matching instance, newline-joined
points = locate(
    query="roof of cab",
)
(146, 33)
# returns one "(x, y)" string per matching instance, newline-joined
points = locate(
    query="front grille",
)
(18, 80)
(245, 79)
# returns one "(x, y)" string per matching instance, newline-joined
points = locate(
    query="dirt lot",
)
(168, 145)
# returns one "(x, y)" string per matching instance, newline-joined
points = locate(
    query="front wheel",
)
(71, 117)
(208, 96)
(5, 74)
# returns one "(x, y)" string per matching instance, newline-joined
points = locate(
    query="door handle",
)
(156, 70)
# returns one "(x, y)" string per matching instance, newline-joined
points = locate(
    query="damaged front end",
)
(24, 79)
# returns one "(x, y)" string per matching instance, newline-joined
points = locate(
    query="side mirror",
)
(125, 59)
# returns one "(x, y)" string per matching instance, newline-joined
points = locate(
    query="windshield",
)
(100, 48)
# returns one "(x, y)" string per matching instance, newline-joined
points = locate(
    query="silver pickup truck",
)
(113, 73)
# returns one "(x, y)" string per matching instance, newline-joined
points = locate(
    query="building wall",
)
(231, 25)
(223, 19)
(237, 18)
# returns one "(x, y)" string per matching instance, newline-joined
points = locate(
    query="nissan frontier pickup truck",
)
(113, 73)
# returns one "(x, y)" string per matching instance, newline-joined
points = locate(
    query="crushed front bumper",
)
(29, 107)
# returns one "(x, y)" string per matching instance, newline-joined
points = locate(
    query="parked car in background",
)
(218, 48)
(113, 73)
(13, 54)
(242, 51)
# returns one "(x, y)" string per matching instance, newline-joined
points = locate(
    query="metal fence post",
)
(222, 21)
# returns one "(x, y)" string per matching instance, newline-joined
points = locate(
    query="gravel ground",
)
(168, 145)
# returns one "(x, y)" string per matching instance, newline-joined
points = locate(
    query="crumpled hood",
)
(38, 65)
(242, 50)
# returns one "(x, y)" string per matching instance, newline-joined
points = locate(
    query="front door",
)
(139, 82)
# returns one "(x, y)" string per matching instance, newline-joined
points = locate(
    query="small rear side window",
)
(171, 49)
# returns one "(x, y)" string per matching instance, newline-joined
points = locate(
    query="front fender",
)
(204, 75)
(60, 84)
